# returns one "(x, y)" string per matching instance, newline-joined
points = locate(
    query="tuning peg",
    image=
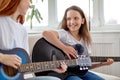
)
(81, 68)
(86, 68)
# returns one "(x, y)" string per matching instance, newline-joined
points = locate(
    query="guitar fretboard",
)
(82, 60)
(101, 59)
(44, 66)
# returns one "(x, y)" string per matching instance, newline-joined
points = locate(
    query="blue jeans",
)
(43, 78)
(88, 76)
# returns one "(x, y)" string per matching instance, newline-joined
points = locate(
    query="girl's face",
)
(74, 20)
(23, 6)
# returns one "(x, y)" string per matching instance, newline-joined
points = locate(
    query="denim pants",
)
(43, 78)
(88, 76)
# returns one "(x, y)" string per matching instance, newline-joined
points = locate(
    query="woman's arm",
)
(100, 64)
(53, 38)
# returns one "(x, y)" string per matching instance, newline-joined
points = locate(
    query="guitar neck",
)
(102, 59)
(45, 66)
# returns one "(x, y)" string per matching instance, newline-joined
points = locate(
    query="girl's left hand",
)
(62, 69)
(108, 62)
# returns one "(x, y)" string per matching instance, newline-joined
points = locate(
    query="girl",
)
(74, 30)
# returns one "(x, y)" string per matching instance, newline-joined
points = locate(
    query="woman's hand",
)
(62, 69)
(70, 51)
(11, 60)
(108, 62)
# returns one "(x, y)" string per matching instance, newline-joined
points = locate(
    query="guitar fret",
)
(52, 65)
(31, 67)
(42, 65)
(35, 67)
(38, 67)
(26, 68)
(46, 66)
(57, 63)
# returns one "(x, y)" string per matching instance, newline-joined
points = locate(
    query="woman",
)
(74, 30)
(13, 34)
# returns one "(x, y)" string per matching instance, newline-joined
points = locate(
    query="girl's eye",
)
(76, 18)
(68, 18)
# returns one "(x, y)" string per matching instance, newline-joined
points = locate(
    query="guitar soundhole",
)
(10, 71)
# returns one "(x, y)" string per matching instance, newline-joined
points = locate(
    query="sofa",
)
(32, 40)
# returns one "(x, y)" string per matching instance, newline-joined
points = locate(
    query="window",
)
(63, 4)
(105, 15)
(43, 8)
(102, 14)
(111, 11)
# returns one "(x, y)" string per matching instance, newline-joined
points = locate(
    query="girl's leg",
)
(43, 78)
(73, 78)
(92, 76)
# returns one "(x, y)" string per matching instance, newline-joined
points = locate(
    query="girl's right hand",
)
(62, 69)
(11, 60)
(70, 51)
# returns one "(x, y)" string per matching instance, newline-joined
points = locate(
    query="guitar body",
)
(45, 51)
(8, 73)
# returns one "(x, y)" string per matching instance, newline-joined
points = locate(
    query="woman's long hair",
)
(11, 8)
(84, 29)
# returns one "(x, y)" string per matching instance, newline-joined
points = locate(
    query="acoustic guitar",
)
(9, 73)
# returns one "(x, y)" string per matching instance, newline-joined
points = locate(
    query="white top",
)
(12, 34)
(68, 39)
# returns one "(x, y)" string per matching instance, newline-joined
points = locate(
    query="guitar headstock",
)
(84, 61)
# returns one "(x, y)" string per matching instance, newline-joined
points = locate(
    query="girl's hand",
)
(62, 69)
(108, 62)
(70, 51)
(11, 60)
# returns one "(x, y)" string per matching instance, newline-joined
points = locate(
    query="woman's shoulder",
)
(4, 20)
(1, 19)
(4, 17)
